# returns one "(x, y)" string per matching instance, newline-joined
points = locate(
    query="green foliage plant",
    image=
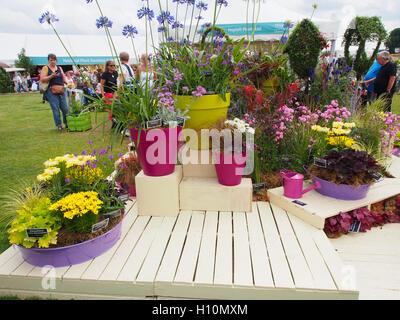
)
(393, 41)
(6, 84)
(25, 62)
(304, 46)
(35, 213)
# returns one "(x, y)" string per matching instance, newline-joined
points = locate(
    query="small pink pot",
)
(230, 167)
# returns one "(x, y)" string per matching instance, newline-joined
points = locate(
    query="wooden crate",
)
(318, 207)
(209, 194)
(197, 163)
(158, 196)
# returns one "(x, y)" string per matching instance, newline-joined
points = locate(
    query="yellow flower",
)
(349, 125)
(44, 176)
(337, 124)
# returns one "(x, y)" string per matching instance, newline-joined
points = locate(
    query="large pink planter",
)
(157, 150)
(230, 167)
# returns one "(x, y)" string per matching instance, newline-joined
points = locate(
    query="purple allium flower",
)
(67, 180)
(111, 157)
(93, 165)
(145, 11)
(105, 163)
(47, 17)
(120, 154)
(129, 31)
(109, 147)
(83, 153)
(103, 22)
(90, 141)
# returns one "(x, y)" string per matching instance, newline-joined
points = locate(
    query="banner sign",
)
(242, 29)
(68, 60)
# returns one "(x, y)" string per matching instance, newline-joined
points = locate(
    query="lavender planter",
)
(70, 255)
(341, 191)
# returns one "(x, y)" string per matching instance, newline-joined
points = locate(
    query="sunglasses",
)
(111, 65)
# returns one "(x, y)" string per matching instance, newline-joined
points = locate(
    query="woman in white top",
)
(146, 71)
(70, 85)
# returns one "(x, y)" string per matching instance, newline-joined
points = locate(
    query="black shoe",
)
(60, 128)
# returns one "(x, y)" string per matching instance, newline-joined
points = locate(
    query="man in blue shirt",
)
(369, 80)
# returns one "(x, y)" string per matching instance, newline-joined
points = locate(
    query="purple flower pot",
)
(75, 254)
(341, 191)
(229, 167)
(157, 158)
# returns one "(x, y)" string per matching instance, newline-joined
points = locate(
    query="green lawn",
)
(28, 138)
(396, 104)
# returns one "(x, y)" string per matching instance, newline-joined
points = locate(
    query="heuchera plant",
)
(349, 164)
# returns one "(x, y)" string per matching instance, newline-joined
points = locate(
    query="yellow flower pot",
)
(270, 86)
(204, 112)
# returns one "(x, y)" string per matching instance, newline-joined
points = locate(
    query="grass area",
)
(29, 137)
(396, 104)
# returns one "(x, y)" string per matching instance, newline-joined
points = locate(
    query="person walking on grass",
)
(56, 94)
(18, 83)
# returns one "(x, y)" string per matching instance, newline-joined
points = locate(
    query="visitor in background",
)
(385, 82)
(28, 81)
(146, 71)
(109, 84)
(70, 86)
(94, 79)
(135, 69)
(127, 76)
(18, 83)
(99, 73)
(369, 80)
(55, 94)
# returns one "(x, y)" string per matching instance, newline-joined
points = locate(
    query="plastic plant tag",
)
(100, 225)
(299, 203)
(181, 121)
(36, 232)
(113, 214)
(258, 186)
(320, 162)
(208, 73)
(153, 124)
(377, 177)
(124, 197)
(355, 227)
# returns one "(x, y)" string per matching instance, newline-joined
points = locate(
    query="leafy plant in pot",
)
(230, 150)
(72, 216)
(347, 174)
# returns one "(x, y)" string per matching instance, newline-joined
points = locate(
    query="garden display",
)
(72, 215)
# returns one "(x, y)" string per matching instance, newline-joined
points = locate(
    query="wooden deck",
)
(263, 254)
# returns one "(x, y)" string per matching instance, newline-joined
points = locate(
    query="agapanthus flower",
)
(202, 5)
(89, 1)
(129, 31)
(177, 24)
(145, 11)
(287, 24)
(165, 16)
(222, 2)
(161, 29)
(103, 22)
(48, 17)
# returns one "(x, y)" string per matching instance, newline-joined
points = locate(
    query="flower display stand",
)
(158, 196)
(314, 207)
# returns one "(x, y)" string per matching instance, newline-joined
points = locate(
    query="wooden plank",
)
(279, 264)
(172, 255)
(319, 207)
(301, 273)
(223, 259)
(8, 254)
(115, 265)
(242, 269)
(12, 264)
(259, 254)
(99, 263)
(206, 262)
(341, 274)
(132, 266)
(155, 255)
(23, 270)
(187, 265)
(322, 277)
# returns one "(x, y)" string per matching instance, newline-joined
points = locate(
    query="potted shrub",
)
(72, 216)
(230, 151)
(127, 167)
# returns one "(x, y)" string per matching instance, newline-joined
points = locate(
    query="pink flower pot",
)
(157, 150)
(229, 167)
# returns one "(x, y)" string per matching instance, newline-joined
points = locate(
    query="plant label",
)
(355, 227)
(100, 225)
(258, 186)
(124, 197)
(36, 232)
(153, 124)
(320, 162)
(181, 121)
(377, 177)
(286, 159)
(299, 203)
(208, 73)
(113, 214)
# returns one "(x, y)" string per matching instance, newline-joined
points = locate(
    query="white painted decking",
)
(263, 254)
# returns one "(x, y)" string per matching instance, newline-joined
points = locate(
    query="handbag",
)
(57, 89)
(43, 86)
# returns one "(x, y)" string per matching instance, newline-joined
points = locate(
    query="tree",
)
(361, 30)
(25, 62)
(6, 84)
(304, 47)
(393, 41)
